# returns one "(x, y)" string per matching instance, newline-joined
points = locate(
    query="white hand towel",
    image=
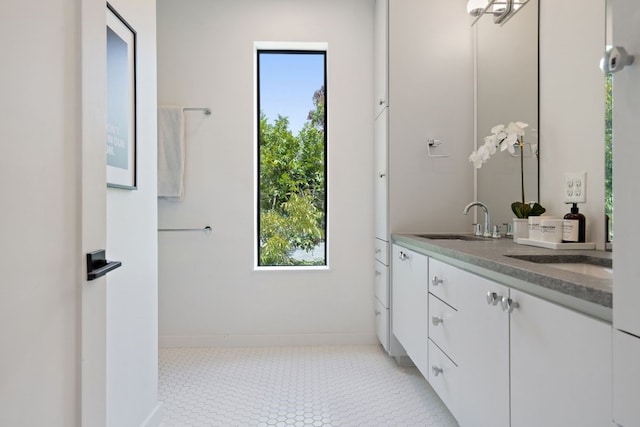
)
(171, 153)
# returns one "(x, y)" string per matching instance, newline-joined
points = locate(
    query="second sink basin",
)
(583, 264)
(444, 236)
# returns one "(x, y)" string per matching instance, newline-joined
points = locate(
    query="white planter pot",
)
(520, 228)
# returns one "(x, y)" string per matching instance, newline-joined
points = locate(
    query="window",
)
(291, 158)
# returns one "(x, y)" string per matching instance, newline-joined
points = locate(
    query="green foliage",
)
(292, 187)
(525, 210)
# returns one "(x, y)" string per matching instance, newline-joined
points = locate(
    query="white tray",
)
(551, 245)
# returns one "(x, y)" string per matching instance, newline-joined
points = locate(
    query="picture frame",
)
(121, 144)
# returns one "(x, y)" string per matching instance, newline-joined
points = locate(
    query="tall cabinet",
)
(381, 179)
(415, 192)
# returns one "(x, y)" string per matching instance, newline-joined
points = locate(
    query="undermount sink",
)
(443, 236)
(583, 264)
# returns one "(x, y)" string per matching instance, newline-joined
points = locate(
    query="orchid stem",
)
(522, 170)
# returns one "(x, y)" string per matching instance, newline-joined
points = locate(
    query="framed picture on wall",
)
(121, 102)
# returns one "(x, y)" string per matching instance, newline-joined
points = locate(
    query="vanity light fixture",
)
(502, 10)
(476, 7)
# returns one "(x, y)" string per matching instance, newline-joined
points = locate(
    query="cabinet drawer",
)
(444, 377)
(444, 281)
(382, 251)
(382, 324)
(443, 327)
(382, 283)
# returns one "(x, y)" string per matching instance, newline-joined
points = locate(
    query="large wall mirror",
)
(507, 90)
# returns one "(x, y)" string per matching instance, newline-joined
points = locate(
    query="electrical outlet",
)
(575, 187)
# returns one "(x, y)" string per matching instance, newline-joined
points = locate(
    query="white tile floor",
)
(295, 386)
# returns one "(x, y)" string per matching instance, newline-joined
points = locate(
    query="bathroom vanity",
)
(503, 336)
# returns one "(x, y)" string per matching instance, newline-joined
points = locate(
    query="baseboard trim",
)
(267, 340)
(155, 417)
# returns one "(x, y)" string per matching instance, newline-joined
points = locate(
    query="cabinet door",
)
(409, 303)
(626, 379)
(482, 353)
(560, 366)
(381, 179)
(380, 43)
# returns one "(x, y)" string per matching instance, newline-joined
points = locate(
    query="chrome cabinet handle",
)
(436, 371)
(378, 273)
(493, 298)
(509, 305)
(378, 313)
(403, 256)
(381, 101)
(435, 281)
(378, 250)
(436, 320)
(382, 174)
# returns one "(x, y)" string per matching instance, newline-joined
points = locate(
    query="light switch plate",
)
(575, 187)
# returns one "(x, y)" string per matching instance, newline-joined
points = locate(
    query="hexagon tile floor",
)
(295, 386)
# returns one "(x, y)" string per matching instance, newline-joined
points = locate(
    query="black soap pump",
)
(574, 226)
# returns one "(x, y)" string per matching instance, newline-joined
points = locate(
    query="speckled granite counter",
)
(490, 258)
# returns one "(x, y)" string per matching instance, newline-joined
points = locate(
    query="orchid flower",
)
(507, 138)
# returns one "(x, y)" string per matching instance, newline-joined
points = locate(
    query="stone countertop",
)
(490, 258)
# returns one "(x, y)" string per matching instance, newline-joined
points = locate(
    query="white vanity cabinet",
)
(501, 357)
(560, 366)
(409, 296)
(468, 326)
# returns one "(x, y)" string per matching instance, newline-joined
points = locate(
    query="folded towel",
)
(171, 153)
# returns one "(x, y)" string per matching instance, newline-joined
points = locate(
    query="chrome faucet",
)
(487, 221)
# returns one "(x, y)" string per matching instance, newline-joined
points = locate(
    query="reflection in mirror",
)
(507, 90)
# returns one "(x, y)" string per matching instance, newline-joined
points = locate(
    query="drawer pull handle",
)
(493, 298)
(509, 305)
(378, 313)
(436, 371)
(402, 256)
(378, 250)
(436, 320)
(435, 281)
(378, 273)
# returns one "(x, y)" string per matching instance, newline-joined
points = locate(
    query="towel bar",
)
(206, 229)
(205, 110)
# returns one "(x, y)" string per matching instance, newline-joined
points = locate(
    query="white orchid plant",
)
(508, 138)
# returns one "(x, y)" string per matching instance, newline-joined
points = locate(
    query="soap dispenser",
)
(574, 226)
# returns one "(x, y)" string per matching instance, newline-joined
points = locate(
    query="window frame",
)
(286, 48)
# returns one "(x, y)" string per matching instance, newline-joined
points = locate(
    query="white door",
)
(93, 205)
(626, 151)
(119, 311)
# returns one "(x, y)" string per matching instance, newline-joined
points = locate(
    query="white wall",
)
(209, 292)
(572, 105)
(132, 291)
(39, 248)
